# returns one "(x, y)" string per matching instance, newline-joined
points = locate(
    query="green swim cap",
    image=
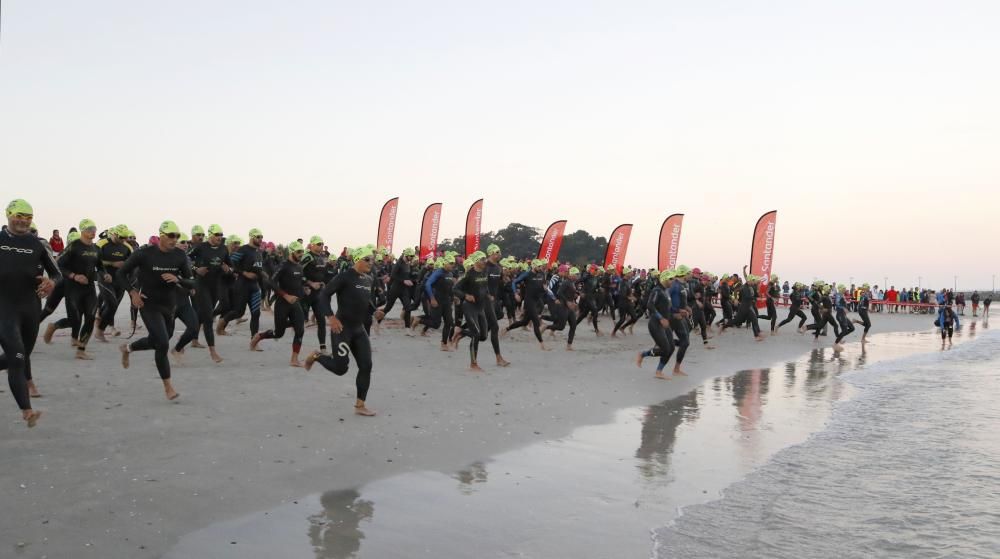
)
(256, 233)
(362, 252)
(74, 236)
(19, 206)
(316, 240)
(121, 230)
(574, 271)
(774, 277)
(539, 262)
(87, 224)
(197, 230)
(295, 246)
(626, 270)
(129, 232)
(492, 249)
(168, 227)
(666, 275)
(682, 270)
(215, 229)
(183, 238)
(408, 252)
(33, 227)
(234, 239)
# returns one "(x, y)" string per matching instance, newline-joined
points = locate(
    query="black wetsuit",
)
(534, 300)
(22, 259)
(494, 276)
(627, 315)
(399, 290)
(566, 294)
(159, 297)
(590, 302)
(287, 280)
(747, 311)
(248, 259)
(659, 308)
(110, 293)
(316, 268)
(209, 288)
(440, 284)
(354, 302)
(474, 283)
(795, 309)
(863, 306)
(80, 259)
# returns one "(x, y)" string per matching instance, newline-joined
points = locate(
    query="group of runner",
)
(209, 280)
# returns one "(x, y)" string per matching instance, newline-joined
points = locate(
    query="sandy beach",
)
(115, 470)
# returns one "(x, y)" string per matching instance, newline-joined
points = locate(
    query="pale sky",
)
(872, 127)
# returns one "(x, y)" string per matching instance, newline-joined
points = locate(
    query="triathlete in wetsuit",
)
(494, 275)
(534, 299)
(159, 269)
(114, 252)
(23, 265)
(795, 308)
(846, 327)
(438, 289)
(353, 288)
(316, 272)
(660, 312)
(399, 285)
(210, 261)
(287, 283)
(249, 264)
(80, 263)
(473, 291)
(863, 306)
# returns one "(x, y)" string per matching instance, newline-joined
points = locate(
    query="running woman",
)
(287, 282)
(24, 264)
(159, 268)
(353, 288)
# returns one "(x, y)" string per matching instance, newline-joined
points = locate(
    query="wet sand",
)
(114, 470)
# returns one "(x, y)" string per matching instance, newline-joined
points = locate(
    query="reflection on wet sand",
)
(335, 532)
(659, 431)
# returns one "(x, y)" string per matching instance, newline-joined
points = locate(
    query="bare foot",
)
(598, 332)
(177, 357)
(501, 362)
(838, 347)
(362, 410)
(638, 359)
(310, 359)
(759, 338)
(125, 355)
(295, 363)
(614, 335)
(99, 336)
(253, 343)
(31, 416)
(50, 331)
(240, 321)
(115, 332)
(679, 373)
(32, 390)
(709, 346)
(197, 345)
(542, 345)
(215, 356)
(171, 394)
(661, 376)
(569, 347)
(82, 355)
(475, 368)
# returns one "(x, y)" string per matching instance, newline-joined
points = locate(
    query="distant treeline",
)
(522, 241)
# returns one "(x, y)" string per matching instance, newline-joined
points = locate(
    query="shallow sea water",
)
(616, 490)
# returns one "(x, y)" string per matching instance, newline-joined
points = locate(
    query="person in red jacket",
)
(56, 242)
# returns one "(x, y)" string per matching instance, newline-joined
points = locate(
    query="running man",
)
(353, 288)
(287, 281)
(159, 268)
(23, 259)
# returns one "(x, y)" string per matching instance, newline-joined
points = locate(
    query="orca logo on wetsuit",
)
(17, 249)
(342, 349)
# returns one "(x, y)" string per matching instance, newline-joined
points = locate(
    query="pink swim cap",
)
(154, 240)
(563, 268)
